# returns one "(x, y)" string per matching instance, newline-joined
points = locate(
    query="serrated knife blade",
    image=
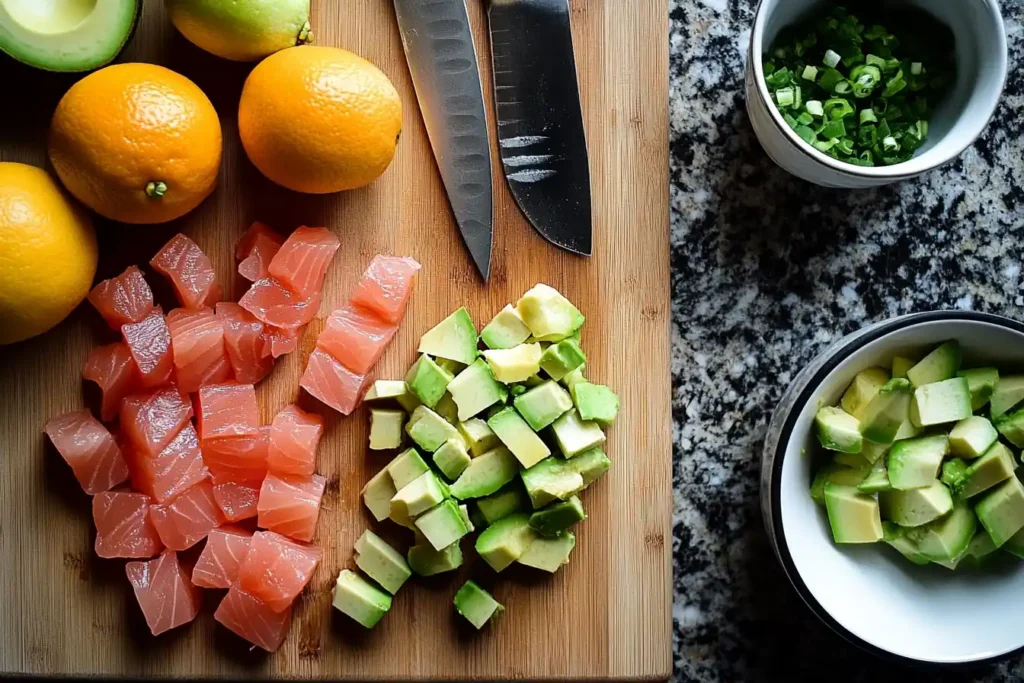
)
(540, 120)
(442, 60)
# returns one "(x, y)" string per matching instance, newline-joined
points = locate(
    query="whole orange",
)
(137, 143)
(319, 119)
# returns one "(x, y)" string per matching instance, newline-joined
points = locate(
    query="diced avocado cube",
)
(357, 598)
(418, 496)
(453, 338)
(425, 561)
(442, 525)
(971, 437)
(428, 380)
(862, 390)
(1009, 392)
(907, 430)
(515, 433)
(543, 404)
(1015, 545)
(386, 429)
(994, 466)
(591, 464)
(573, 435)
(954, 471)
(558, 360)
(447, 408)
(916, 506)
(516, 364)
(838, 430)
(451, 458)
(475, 389)
(486, 474)
(900, 366)
(595, 402)
(452, 366)
(400, 516)
(478, 436)
(406, 466)
(945, 538)
(574, 378)
(832, 473)
(551, 479)
(557, 517)
(548, 554)
(548, 314)
(464, 511)
(381, 562)
(1011, 426)
(504, 542)
(852, 459)
(511, 498)
(941, 402)
(428, 429)
(377, 495)
(915, 463)
(981, 544)
(877, 479)
(871, 452)
(853, 515)
(896, 536)
(535, 380)
(505, 330)
(384, 391)
(981, 382)
(476, 604)
(886, 412)
(939, 365)
(1001, 510)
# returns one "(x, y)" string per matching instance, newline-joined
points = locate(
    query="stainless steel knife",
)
(540, 121)
(439, 47)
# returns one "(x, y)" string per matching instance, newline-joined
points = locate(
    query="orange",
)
(137, 143)
(319, 119)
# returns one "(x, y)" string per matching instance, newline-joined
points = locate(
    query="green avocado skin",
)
(242, 30)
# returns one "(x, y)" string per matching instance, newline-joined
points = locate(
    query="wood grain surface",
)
(604, 616)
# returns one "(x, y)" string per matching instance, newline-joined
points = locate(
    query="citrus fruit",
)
(319, 119)
(47, 253)
(243, 30)
(137, 143)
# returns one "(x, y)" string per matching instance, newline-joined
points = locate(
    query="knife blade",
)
(442, 60)
(540, 121)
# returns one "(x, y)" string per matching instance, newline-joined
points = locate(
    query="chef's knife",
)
(443, 63)
(540, 122)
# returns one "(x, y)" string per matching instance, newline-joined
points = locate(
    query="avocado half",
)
(66, 35)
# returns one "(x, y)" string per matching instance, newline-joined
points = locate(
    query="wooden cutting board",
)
(604, 616)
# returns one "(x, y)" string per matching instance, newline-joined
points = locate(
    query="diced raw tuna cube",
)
(386, 285)
(273, 303)
(279, 341)
(243, 338)
(294, 436)
(255, 249)
(149, 341)
(236, 501)
(250, 618)
(177, 468)
(200, 357)
(227, 410)
(151, 421)
(290, 505)
(238, 459)
(90, 450)
(167, 597)
(222, 555)
(112, 368)
(189, 270)
(355, 338)
(276, 569)
(301, 263)
(122, 523)
(332, 383)
(187, 518)
(124, 299)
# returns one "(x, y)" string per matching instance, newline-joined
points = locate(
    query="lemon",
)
(47, 253)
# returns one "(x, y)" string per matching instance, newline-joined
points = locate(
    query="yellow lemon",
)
(47, 253)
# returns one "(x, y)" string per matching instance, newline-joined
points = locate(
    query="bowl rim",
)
(835, 359)
(907, 169)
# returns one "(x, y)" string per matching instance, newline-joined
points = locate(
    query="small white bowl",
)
(959, 119)
(869, 594)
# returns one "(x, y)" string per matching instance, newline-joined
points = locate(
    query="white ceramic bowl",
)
(981, 73)
(870, 594)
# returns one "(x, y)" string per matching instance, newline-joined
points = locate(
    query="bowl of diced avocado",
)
(890, 486)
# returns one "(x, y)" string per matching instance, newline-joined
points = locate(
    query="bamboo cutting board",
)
(604, 616)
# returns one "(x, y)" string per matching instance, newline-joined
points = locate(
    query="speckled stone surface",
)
(766, 271)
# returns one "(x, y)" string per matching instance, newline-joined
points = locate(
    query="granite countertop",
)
(766, 271)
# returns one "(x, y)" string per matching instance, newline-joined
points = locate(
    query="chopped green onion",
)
(831, 58)
(798, 97)
(874, 60)
(829, 79)
(922, 129)
(810, 73)
(779, 78)
(916, 68)
(892, 65)
(845, 146)
(842, 87)
(805, 119)
(889, 144)
(833, 129)
(788, 118)
(837, 108)
(825, 146)
(784, 96)
(814, 108)
(894, 84)
(806, 134)
(868, 116)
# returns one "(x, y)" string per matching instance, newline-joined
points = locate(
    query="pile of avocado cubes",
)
(933, 442)
(503, 440)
